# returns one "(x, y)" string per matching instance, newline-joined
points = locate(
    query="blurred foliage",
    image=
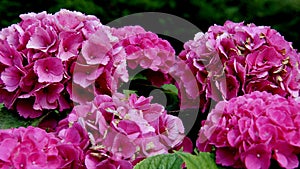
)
(280, 15)
(9, 119)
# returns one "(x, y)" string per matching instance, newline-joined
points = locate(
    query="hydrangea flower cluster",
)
(135, 48)
(110, 132)
(121, 49)
(34, 59)
(147, 50)
(34, 148)
(250, 130)
(236, 59)
(127, 128)
(49, 61)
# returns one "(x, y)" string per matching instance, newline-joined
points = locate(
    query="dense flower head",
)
(236, 59)
(51, 62)
(68, 52)
(94, 67)
(149, 51)
(138, 50)
(127, 128)
(109, 53)
(250, 130)
(35, 59)
(34, 148)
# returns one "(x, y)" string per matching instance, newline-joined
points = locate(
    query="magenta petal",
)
(129, 127)
(11, 77)
(25, 108)
(225, 156)
(85, 75)
(28, 81)
(42, 39)
(9, 55)
(123, 145)
(79, 94)
(281, 117)
(233, 137)
(229, 87)
(267, 132)
(69, 45)
(258, 156)
(90, 161)
(285, 161)
(107, 164)
(154, 112)
(285, 155)
(187, 145)
(73, 136)
(72, 155)
(36, 160)
(68, 20)
(282, 160)
(20, 160)
(49, 70)
(252, 162)
(95, 50)
(7, 146)
(47, 96)
(54, 91)
(63, 102)
(269, 56)
(140, 103)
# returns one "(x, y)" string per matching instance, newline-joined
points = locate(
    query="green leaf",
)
(202, 160)
(10, 119)
(171, 92)
(163, 161)
(138, 76)
(127, 93)
(171, 88)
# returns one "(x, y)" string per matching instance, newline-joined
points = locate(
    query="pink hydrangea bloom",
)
(45, 52)
(110, 53)
(127, 128)
(34, 148)
(36, 59)
(235, 59)
(145, 49)
(249, 130)
(135, 48)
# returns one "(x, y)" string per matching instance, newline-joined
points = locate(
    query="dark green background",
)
(282, 15)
